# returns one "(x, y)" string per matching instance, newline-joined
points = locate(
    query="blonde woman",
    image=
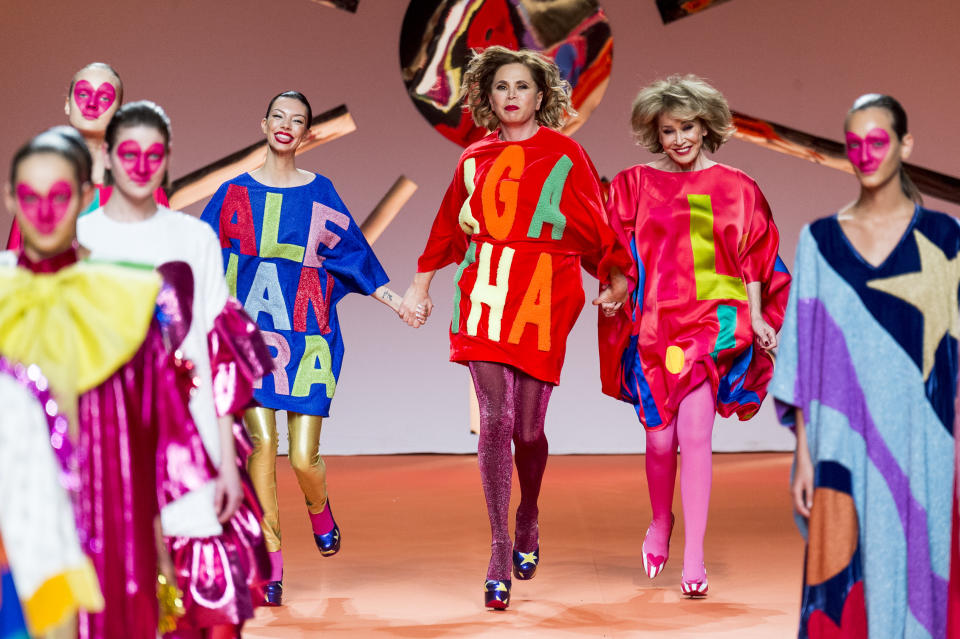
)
(704, 317)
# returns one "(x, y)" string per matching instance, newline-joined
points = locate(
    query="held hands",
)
(416, 306)
(613, 297)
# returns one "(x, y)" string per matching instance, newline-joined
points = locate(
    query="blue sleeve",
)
(211, 212)
(785, 387)
(348, 256)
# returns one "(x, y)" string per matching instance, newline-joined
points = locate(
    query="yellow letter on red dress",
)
(493, 295)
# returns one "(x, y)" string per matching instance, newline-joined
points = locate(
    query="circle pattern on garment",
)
(832, 550)
(674, 359)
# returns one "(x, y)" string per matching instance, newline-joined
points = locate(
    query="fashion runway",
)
(416, 542)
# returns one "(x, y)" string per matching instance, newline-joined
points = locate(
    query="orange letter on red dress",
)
(510, 159)
(535, 307)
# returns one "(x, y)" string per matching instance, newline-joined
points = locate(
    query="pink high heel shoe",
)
(653, 564)
(694, 589)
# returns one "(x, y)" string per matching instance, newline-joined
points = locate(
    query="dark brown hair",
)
(140, 113)
(898, 117)
(64, 141)
(293, 95)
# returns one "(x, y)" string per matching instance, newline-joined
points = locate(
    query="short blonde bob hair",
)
(687, 97)
(477, 84)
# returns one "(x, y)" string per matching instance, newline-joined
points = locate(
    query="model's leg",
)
(495, 387)
(311, 472)
(695, 419)
(261, 425)
(530, 445)
(308, 465)
(661, 467)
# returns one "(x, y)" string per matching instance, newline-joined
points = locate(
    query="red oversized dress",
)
(697, 239)
(520, 218)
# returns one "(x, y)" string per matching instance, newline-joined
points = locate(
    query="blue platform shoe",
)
(273, 593)
(329, 543)
(525, 563)
(496, 594)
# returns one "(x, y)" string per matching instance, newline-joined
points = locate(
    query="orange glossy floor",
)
(415, 551)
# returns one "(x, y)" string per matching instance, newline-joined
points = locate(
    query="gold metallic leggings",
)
(304, 437)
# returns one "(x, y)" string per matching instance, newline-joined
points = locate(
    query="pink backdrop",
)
(797, 63)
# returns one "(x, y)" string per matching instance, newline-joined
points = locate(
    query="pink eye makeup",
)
(93, 102)
(867, 153)
(140, 165)
(45, 211)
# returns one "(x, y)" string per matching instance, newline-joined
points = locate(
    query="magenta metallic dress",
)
(217, 564)
(222, 576)
(138, 450)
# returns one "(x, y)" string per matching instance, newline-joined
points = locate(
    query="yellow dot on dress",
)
(674, 359)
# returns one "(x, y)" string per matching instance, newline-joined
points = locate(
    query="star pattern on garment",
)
(933, 291)
(528, 557)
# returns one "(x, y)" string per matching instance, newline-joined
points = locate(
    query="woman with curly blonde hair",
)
(523, 212)
(711, 289)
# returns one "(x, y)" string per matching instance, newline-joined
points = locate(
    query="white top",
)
(36, 519)
(171, 236)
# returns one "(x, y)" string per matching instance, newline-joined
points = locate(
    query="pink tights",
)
(512, 408)
(691, 429)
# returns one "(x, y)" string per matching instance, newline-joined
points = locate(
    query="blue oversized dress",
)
(870, 356)
(290, 255)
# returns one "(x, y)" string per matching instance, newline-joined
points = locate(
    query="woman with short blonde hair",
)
(687, 96)
(704, 320)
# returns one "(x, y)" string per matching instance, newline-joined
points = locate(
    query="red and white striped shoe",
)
(694, 589)
(653, 564)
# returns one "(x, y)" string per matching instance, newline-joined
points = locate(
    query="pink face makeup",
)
(867, 153)
(45, 211)
(140, 165)
(93, 102)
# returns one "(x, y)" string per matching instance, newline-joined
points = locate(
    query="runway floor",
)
(416, 545)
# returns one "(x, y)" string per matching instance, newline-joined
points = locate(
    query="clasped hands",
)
(613, 296)
(417, 306)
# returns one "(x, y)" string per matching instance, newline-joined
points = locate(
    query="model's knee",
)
(264, 447)
(696, 440)
(306, 461)
(532, 439)
(660, 446)
(496, 432)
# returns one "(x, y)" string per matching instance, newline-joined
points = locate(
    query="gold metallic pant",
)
(304, 437)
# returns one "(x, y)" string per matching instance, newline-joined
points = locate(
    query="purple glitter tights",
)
(512, 408)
